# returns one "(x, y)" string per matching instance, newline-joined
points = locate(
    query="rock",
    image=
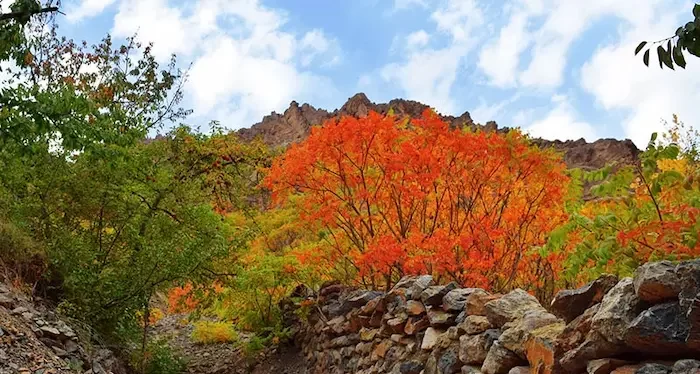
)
(363, 298)
(59, 352)
(411, 367)
(473, 325)
(627, 369)
(367, 335)
(439, 318)
(449, 362)
(50, 331)
(657, 281)
(593, 347)
(686, 366)
(331, 289)
(468, 369)
(515, 333)
(575, 332)
(662, 329)
(6, 302)
(430, 338)
(689, 299)
(19, 310)
(519, 370)
(433, 295)
(475, 302)
(415, 325)
(455, 300)
(381, 349)
(619, 307)
(474, 348)
(540, 349)
(569, 304)
(511, 307)
(418, 286)
(396, 325)
(500, 360)
(370, 307)
(414, 308)
(605, 365)
(431, 365)
(653, 368)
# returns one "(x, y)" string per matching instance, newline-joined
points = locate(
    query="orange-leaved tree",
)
(395, 196)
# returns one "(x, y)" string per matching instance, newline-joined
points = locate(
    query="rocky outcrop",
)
(33, 339)
(633, 325)
(294, 125)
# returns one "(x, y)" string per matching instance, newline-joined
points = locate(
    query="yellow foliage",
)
(206, 332)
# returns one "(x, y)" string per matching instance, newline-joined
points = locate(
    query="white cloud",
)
(500, 61)
(561, 124)
(427, 74)
(86, 8)
(618, 80)
(244, 64)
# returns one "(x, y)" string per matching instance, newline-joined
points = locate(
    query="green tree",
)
(670, 51)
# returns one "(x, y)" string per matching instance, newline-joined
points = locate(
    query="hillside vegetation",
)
(104, 220)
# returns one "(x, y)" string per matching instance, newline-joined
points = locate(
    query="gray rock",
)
(433, 295)
(50, 331)
(569, 304)
(516, 333)
(473, 325)
(418, 286)
(500, 360)
(619, 307)
(364, 298)
(605, 365)
(468, 369)
(430, 338)
(449, 362)
(657, 281)
(455, 300)
(474, 348)
(662, 329)
(6, 301)
(520, 370)
(439, 318)
(510, 307)
(685, 366)
(411, 367)
(653, 368)
(689, 299)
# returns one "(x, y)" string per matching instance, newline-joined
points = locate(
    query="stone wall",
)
(646, 324)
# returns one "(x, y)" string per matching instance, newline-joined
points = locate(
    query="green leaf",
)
(689, 27)
(639, 47)
(678, 57)
(696, 10)
(646, 58)
(653, 137)
(664, 57)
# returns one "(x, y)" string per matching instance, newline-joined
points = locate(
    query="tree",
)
(686, 38)
(393, 197)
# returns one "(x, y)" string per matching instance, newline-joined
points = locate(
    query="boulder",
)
(455, 300)
(468, 369)
(430, 338)
(511, 307)
(418, 286)
(540, 349)
(475, 302)
(474, 348)
(363, 298)
(655, 282)
(415, 325)
(515, 333)
(593, 347)
(569, 304)
(414, 308)
(654, 368)
(627, 369)
(411, 367)
(370, 307)
(473, 325)
(449, 362)
(619, 307)
(440, 318)
(605, 365)
(433, 295)
(689, 298)
(686, 367)
(397, 324)
(662, 329)
(520, 370)
(500, 360)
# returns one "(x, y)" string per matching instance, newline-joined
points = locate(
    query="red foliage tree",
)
(399, 196)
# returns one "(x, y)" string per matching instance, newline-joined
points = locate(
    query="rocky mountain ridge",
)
(294, 125)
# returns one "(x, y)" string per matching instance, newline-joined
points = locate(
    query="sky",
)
(558, 69)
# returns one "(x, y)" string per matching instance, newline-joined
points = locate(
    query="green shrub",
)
(160, 359)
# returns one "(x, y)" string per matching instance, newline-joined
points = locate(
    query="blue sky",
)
(559, 69)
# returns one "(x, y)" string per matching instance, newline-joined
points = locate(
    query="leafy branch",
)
(686, 38)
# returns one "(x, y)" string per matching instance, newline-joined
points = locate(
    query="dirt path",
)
(225, 358)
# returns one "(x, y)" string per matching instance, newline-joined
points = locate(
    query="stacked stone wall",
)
(648, 324)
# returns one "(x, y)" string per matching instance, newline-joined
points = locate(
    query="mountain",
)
(295, 125)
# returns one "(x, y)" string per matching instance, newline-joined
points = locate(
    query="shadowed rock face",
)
(295, 125)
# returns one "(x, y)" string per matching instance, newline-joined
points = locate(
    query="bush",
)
(21, 258)
(160, 359)
(206, 332)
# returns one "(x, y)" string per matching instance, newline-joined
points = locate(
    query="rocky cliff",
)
(646, 324)
(295, 124)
